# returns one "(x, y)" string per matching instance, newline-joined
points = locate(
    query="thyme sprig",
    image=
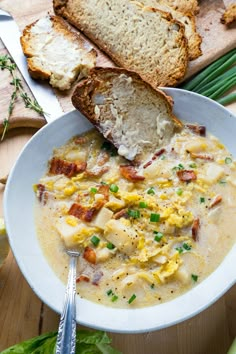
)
(7, 63)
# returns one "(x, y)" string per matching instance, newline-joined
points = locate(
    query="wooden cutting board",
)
(217, 40)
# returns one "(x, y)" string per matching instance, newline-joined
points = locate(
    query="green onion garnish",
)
(152, 286)
(133, 297)
(158, 236)
(179, 167)
(151, 191)
(142, 205)
(202, 200)
(179, 249)
(222, 181)
(95, 240)
(114, 188)
(134, 213)
(154, 217)
(110, 246)
(228, 160)
(193, 165)
(109, 292)
(179, 191)
(114, 298)
(93, 190)
(187, 247)
(194, 277)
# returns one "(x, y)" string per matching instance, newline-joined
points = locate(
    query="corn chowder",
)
(148, 232)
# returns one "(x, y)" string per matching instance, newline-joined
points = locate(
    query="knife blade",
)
(42, 92)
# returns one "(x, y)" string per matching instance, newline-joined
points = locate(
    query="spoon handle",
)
(66, 338)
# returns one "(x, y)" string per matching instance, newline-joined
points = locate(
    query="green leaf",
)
(87, 342)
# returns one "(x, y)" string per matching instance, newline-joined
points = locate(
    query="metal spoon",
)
(66, 337)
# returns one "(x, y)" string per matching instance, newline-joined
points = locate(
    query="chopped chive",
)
(110, 246)
(179, 191)
(194, 277)
(151, 191)
(134, 213)
(179, 249)
(222, 181)
(109, 292)
(228, 160)
(93, 190)
(114, 298)
(132, 298)
(154, 217)
(114, 188)
(187, 247)
(158, 236)
(202, 200)
(142, 205)
(193, 165)
(95, 240)
(178, 168)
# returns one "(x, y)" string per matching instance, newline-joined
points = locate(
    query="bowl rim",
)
(118, 320)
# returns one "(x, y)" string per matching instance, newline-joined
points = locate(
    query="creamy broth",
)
(148, 233)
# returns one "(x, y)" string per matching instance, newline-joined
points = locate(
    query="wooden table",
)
(23, 315)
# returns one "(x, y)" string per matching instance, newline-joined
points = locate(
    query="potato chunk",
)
(102, 218)
(123, 237)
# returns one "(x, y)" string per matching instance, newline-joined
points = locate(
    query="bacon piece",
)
(160, 152)
(89, 255)
(103, 157)
(129, 172)
(104, 189)
(121, 214)
(197, 129)
(195, 229)
(97, 276)
(147, 164)
(97, 171)
(69, 169)
(42, 194)
(215, 201)
(202, 156)
(186, 175)
(83, 213)
(83, 277)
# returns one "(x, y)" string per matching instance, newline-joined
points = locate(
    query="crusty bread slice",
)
(129, 112)
(188, 20)
(138, 38)
(55, 52)
(229, 16)
(184, 6)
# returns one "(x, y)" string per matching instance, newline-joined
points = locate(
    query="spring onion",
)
(158, 236)
(154, 217)
(228, 160)
(194, 277)
(134, 213)
(216, 80)
(132, 298)
(93, 190)
(179, 191)
(142, 205)
(151, 191)
(95, 240)
(202, 200)
(114, 188)
(110, 246)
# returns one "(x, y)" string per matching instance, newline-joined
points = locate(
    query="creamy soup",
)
(147, 232)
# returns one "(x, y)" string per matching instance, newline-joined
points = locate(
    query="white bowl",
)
(18, 209)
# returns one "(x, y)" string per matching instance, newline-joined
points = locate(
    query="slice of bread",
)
(229, 16)
(55, 53)
(184, 6)
(138, 38)
(188, 20)
(129, 112)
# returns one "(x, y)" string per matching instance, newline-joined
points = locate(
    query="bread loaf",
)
(126, 110)
(56, 53)
(138, 38)
(188, 20)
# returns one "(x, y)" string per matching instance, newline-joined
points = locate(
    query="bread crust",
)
(229, 16)
(174, 76)
(60, 26)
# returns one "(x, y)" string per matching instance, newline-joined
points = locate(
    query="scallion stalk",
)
(231, 97)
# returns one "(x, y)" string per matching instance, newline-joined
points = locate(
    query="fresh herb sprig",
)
(7, 63)
(216, 79)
